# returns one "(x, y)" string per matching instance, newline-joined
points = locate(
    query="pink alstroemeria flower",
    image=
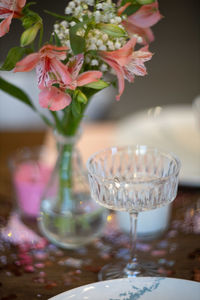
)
(49, 70)
(48, 66)
(54, 98)
(141, 21)
(74, 67)
(9, 9)
(126, 62)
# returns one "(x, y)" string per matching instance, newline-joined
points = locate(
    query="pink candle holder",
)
(30, 174)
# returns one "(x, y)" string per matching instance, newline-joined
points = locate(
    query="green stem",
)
(41, 36)
(69, 129)
(57, 120)
(65, 176)
(70, 122)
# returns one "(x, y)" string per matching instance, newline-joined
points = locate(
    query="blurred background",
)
(173, 73)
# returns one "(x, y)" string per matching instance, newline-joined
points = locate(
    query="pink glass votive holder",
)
(30, 175)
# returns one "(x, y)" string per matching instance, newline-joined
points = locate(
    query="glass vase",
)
(69, 217)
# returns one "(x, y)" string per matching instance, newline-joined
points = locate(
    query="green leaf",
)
(57, 40)
(76, 108)
(14, 55)
(97, 85)
(30, 17)
(131, 9)
(16, 92)
(111, 29)
(143, 2)
(77, 42)
(29, 20)
(123, 2)
(81, 97)
(89, 91)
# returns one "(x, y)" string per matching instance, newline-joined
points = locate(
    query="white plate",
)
(172, 128)
(141, 288)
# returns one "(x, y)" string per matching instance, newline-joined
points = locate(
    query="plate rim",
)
(125, 279)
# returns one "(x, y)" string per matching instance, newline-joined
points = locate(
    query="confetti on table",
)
(40, 254)
(158, 252)
(143, 247)
(29, 269)
(39, 265)
(163, 244)
(17, 233)
(71, 262)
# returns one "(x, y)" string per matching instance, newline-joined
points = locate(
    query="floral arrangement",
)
(92, 38)
(89, 40)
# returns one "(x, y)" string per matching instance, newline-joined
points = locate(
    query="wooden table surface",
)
(177, 251)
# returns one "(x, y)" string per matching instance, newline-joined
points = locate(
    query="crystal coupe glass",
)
(132, 179)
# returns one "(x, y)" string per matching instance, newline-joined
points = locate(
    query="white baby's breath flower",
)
(121, 26)
(104, 12)
(105, 37)
(64, 23)
(85, 6)
(94, 62)
(97, 19)
(99, 42)
(110, 45)
(78, 10)
(118, 19)
(97, 32)
(139, 39)
(90, 2)
(72, 23)
(56, 26)
(103, 68)
(97, 16)
(56, 31)
(87, 59)
(68, 10)
(71, 4)
(93, 40)
(103, 47)
(97, 13)
(105, 5)
(80, 32)
(92, 47)
(99, 6)
(60, 35)
(68, 43)
(66, 31)
(117, 45)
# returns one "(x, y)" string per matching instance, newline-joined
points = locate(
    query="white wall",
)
(15, 115)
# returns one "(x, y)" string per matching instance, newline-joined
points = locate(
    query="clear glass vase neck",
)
(62, 139)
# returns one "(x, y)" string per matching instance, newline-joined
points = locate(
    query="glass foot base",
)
(114, 271)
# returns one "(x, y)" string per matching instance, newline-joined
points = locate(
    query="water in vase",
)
(71, 229)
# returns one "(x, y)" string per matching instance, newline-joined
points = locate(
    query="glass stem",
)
(133, 235)
(131, 267)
